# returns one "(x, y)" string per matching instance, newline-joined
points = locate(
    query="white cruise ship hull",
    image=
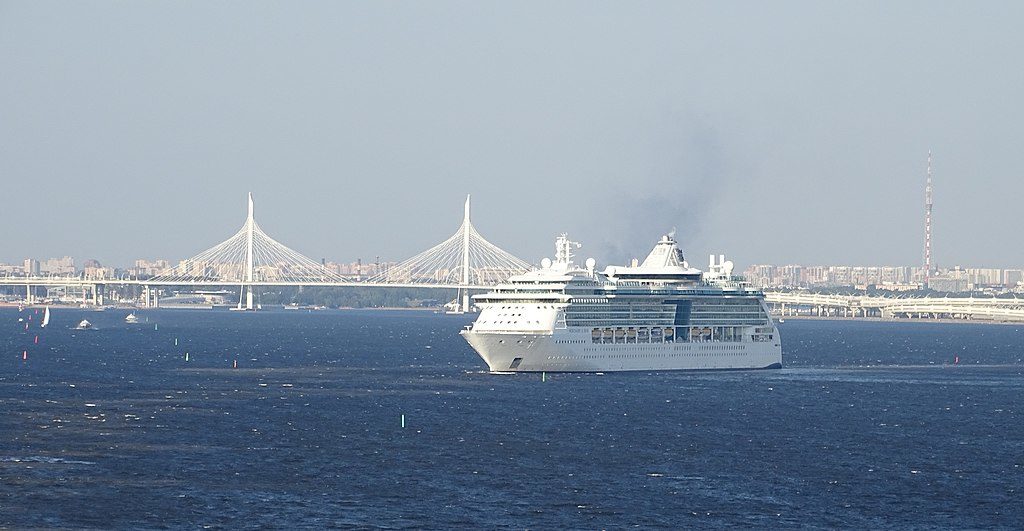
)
(661, 315)
(569, 351)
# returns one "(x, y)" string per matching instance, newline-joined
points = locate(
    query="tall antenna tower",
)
(928, 223)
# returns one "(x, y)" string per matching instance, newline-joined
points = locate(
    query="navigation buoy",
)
(175, 341)
(235, 365)
(186, 356)
(543, 376)
(24, 354)
(26, 326)
(956, 360)
(37, 340)
(156, 326)
(403, 420)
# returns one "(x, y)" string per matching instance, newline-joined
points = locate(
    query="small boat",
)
(131, 318)
(46, 318)
(85, 325)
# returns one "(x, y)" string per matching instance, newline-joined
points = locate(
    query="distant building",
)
(887, 278)
(31, 268)
(825, 276)
(761, 276)
(894, 286)
(58, 266)
(11, 269)
(147, 268)
(985, 276)
(94, 270)
(1013, 277)
(953, 281)
(358, 268)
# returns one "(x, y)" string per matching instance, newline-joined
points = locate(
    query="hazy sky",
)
(775, 132)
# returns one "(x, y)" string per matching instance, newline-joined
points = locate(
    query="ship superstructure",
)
(660, 314)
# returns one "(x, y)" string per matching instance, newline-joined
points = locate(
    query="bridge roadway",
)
(993, 309)
(96, 286)
(785, 303)
(79, 281)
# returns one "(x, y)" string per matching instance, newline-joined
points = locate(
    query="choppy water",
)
(867, 426)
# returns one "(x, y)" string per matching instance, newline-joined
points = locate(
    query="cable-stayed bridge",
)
(464, 261)
(251, 258)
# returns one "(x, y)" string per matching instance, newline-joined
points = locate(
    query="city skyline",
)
(875, 273)
(793, 132)
(65, 264)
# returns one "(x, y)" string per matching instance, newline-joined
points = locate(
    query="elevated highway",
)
(829, 305)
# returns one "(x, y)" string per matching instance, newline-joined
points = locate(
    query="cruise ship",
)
(657, 315)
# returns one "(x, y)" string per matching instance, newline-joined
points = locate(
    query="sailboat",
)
(46, 318)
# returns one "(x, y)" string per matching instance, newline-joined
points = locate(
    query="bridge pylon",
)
(247, 259)
(464, 259)
(250, 229)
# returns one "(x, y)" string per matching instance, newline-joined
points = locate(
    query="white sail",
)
(46, 317)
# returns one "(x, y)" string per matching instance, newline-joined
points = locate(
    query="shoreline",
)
(891, 320)
(209, 307)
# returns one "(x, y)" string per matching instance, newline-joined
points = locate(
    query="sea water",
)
(387, 419)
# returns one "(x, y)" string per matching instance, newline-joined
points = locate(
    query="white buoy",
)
(175, 341)
(403, 420)
(186, 356)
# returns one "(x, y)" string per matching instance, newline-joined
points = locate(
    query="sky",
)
(773, 132)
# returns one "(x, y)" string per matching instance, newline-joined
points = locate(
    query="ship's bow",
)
(491, 349)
